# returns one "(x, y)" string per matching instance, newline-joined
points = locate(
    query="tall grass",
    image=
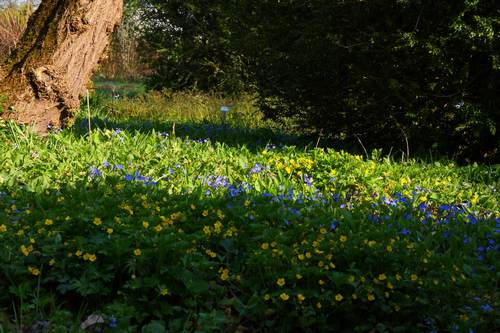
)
(13, 21)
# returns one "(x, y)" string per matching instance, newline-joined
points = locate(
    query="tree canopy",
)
(382, 72)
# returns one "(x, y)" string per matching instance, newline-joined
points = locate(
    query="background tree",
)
(43, 79)
(192, 43)
(383, 72)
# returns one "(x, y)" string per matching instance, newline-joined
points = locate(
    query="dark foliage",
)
(415, 76)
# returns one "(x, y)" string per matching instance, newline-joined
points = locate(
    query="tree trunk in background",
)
(42, 81)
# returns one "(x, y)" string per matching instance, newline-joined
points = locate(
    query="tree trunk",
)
(42, 81)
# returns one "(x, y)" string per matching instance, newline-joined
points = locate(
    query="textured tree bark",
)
(42, 81)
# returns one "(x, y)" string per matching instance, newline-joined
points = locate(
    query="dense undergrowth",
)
(166, 218)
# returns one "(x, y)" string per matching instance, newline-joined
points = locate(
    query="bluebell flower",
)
(94, 172)
(113, 323)
(404, 232)
(486, 307)
(308, 180)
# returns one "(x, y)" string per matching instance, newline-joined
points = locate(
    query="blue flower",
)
(486, 307)
(94, 172)
(404, 232)
(113, 323)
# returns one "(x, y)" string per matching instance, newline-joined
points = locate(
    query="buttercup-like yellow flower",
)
(224, 274)
(284, 296)
(339, 297)
(281, 282)
(34, 271)
(137, 252)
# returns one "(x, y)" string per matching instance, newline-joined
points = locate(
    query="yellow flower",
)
(474, 199)
(339, 297)
(264, 246)
(211, 253)
(218, 227)
(301, 298)
(78, 253)
(284, 296)
(145, 224)
(390, 286)
(164, 292)
(158, 228)
(398, 277)
(321, 282)
(97, 221)
(89, 257)
(388, 248)
(206, 230)
(193, 207)
(414, 277)
(3, 228)
(205, 213)
(224, 274)
(382, 277)
(109, 231)
(26, 250)
(371, 297)
(343, 239)
(281, 282)
(34, 271)
(288, 170)
(52, 262)
(301, 257)
(354, 296)
(267, 297)
(49, 222)
(298, 276)
(318, 305)
(137, 252)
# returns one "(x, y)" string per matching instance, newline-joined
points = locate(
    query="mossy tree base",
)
(44, 78)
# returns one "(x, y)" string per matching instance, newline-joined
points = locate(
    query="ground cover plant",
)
(165, 220)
